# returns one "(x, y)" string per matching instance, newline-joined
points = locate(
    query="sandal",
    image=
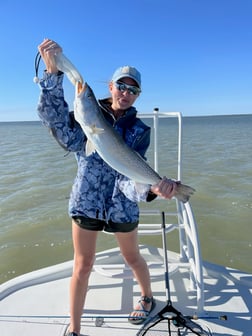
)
(70, 333)
(140, 319)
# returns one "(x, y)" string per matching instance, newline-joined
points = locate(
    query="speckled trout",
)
(102, 137)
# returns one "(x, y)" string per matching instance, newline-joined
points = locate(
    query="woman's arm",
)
(52, 108)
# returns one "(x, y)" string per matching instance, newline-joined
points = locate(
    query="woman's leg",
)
(84, 242)
(128, 243)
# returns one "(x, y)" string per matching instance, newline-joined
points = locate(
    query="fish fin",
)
(90, 148)
(96, 130)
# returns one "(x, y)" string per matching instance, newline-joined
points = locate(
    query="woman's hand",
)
(48, 49)
(165, 188)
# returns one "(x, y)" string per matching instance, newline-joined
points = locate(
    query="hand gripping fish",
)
(103, 138)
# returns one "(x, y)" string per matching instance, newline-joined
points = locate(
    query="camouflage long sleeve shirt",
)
(98, 190)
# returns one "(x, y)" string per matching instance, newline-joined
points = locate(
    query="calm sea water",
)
(36, 177)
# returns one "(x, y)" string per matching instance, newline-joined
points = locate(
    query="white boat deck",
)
(227, 292)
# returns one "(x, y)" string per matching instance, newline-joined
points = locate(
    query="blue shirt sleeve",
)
(54, 113)
(134, 191)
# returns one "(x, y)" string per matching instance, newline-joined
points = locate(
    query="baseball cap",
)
(127, 71)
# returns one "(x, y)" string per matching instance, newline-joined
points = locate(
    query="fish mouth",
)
(80, 88)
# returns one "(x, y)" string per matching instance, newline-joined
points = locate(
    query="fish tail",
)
(66, 66)
(184, 192)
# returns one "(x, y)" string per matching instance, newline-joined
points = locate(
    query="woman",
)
(101, 198)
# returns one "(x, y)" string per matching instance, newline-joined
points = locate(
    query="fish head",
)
(80, 88)
(86, 108)
(79, 110)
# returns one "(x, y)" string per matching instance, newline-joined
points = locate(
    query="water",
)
(36, 176)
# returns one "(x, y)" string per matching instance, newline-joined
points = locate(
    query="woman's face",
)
(122, 100)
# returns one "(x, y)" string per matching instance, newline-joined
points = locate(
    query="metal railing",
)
(189, 245)
(156, 115)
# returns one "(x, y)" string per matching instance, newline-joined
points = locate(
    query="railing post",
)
(155, 126)
(179, 173)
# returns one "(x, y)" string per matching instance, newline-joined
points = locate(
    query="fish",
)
(66, 66)
(103, 138)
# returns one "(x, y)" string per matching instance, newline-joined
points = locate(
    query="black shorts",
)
(100, 225)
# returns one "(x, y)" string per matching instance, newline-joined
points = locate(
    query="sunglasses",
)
(122, 87)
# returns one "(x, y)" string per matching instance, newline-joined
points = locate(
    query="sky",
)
(195, 56)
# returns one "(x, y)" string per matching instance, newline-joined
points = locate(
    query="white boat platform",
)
(37, 303)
